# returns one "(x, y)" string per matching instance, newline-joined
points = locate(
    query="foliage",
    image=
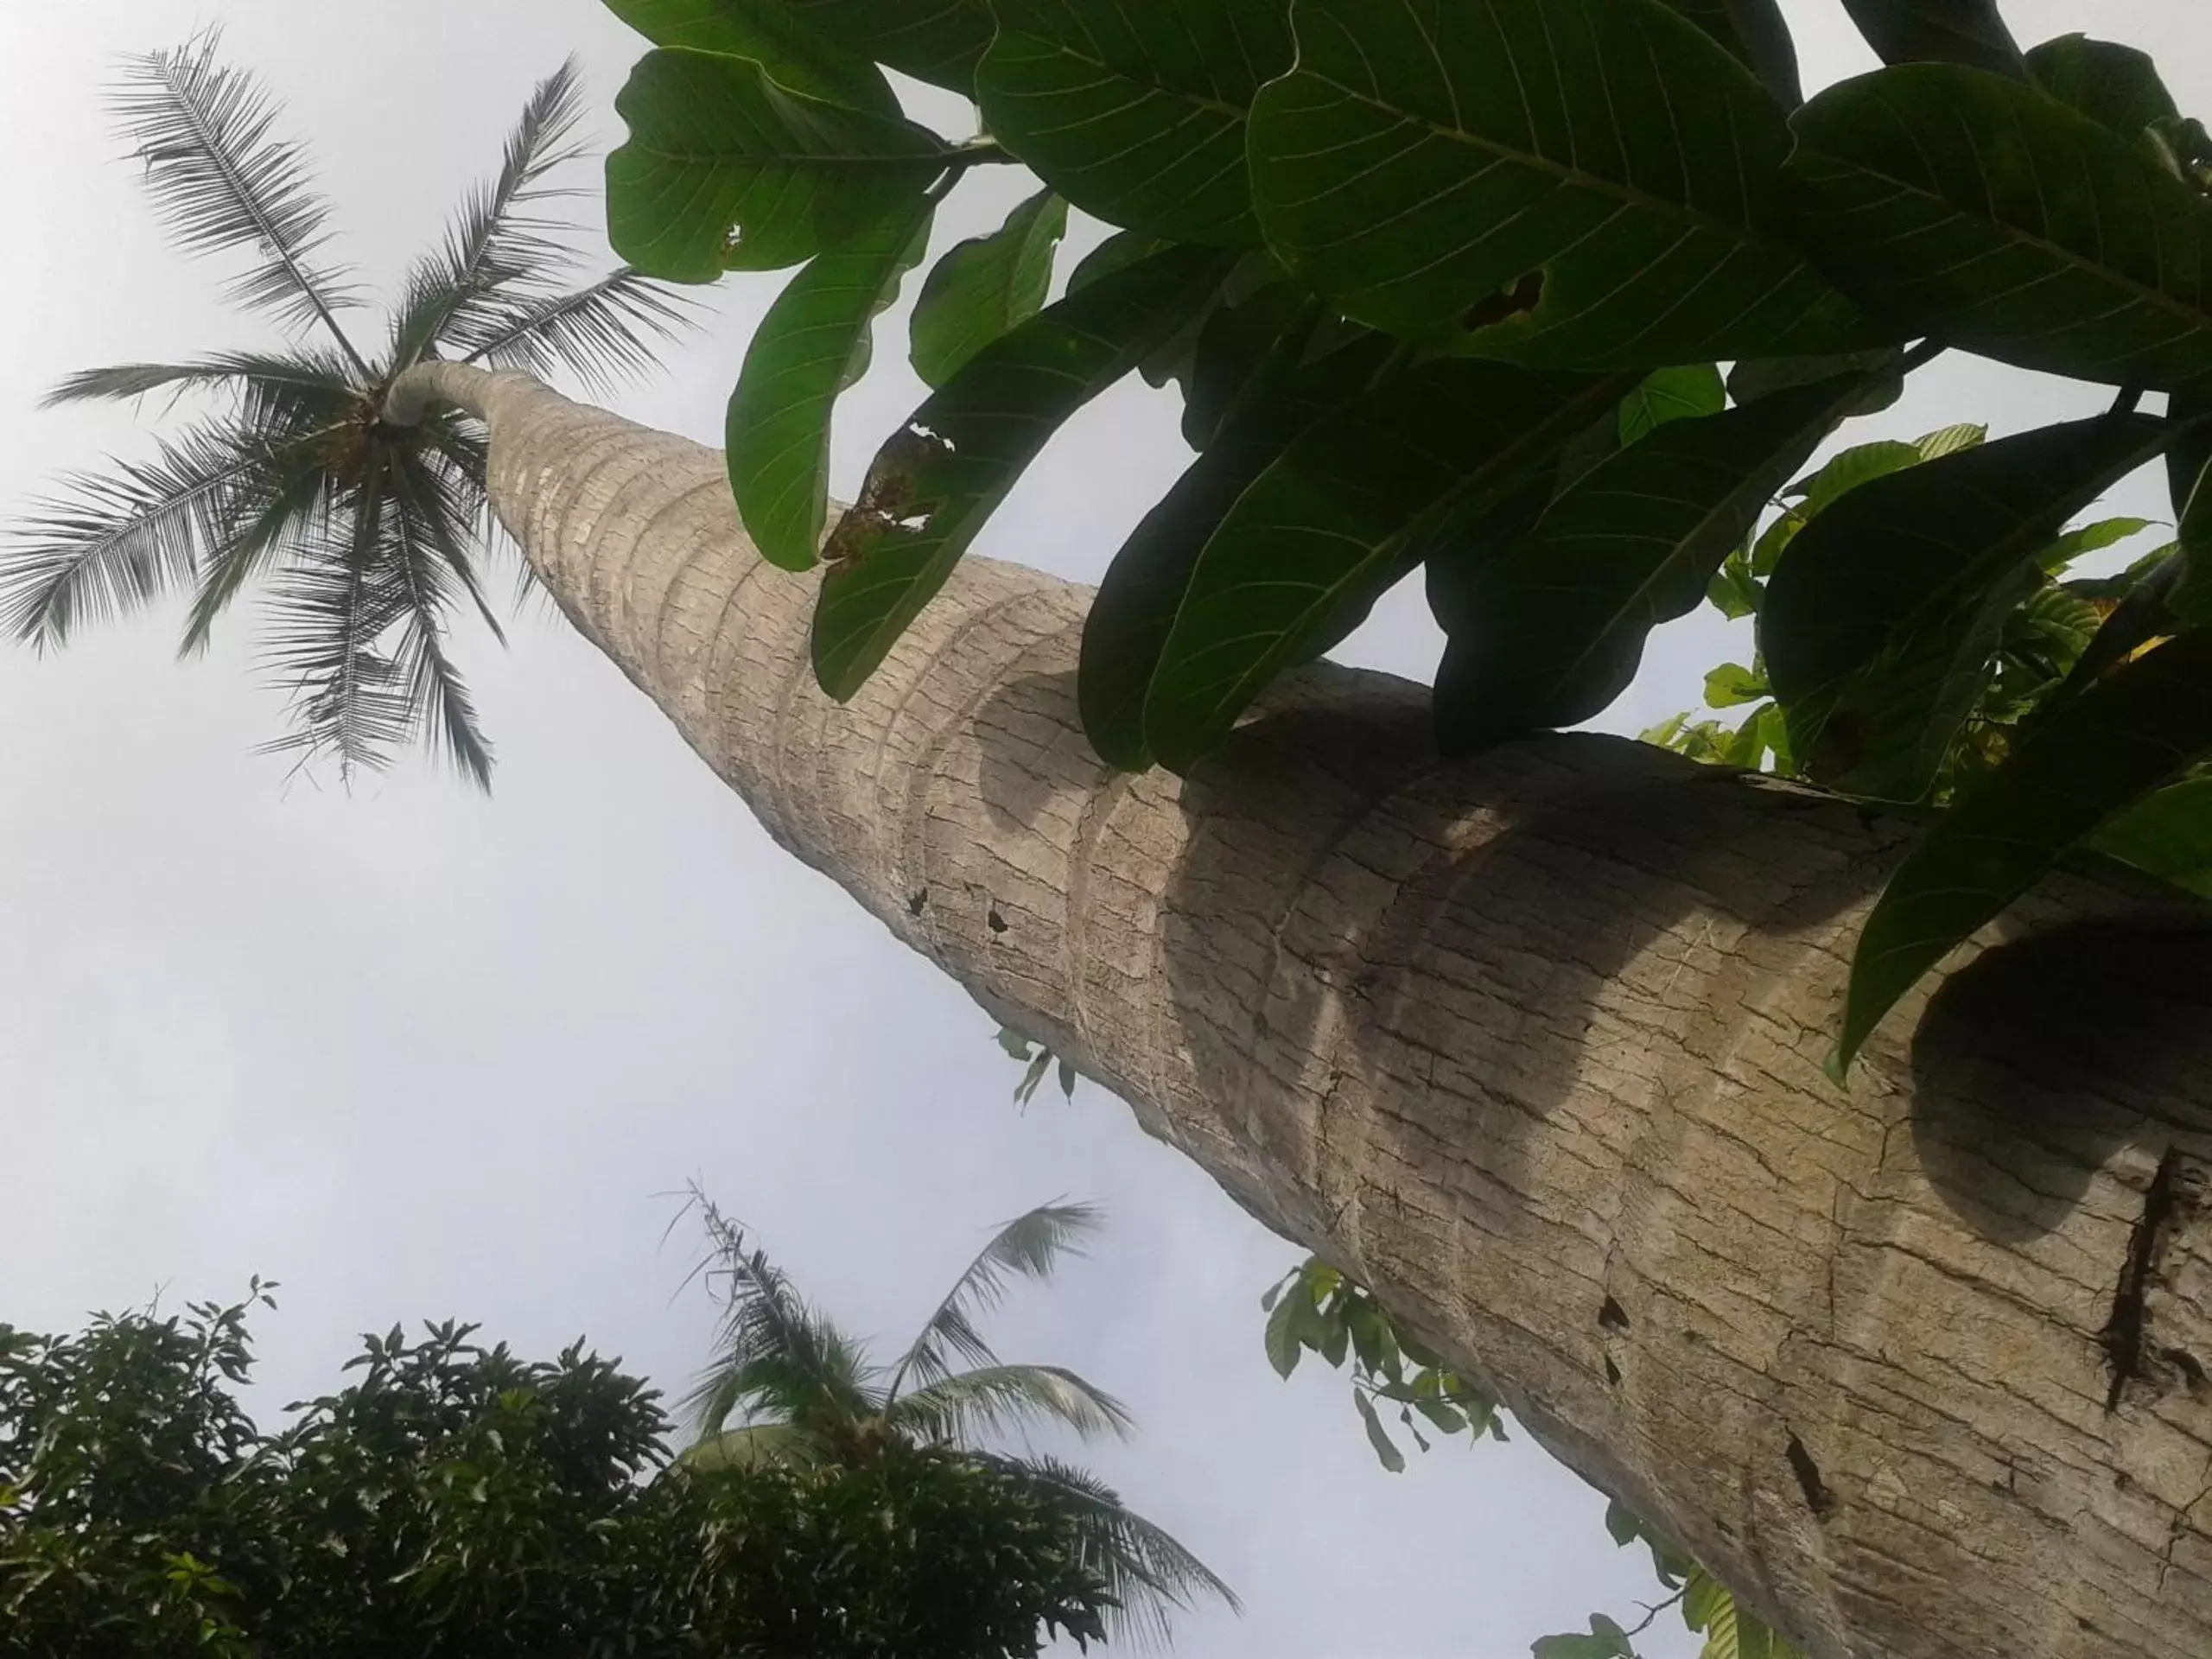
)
(1316, 1309)
(367, 539)
(453, 1499)
(788, 1389)
(1036, 1060)
(1449, 289)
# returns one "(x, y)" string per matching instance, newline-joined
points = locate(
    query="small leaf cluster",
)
(1451, 288)
(1315, 1309)
(1037, 1061)
(455, 1499)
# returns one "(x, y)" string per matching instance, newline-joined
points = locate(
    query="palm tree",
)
(365, 537)
(788, 1387)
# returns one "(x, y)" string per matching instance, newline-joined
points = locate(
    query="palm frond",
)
(459, 442)
(297, 511)
(603, 333)
(493, 245)
(996, 1401)
(330, 609)
(755, 1446)
(128, 535)
(428, 563)
(1150, 1575)
(778, 1359)
(303, 386)
(1028, 1247)
(222, 181)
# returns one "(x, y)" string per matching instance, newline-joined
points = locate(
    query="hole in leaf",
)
(1525, 296)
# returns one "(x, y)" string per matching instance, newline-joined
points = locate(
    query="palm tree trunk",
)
(1532, 1044)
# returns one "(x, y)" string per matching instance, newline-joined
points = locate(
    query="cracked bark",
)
(1530, 1043)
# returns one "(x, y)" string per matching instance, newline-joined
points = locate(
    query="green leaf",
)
(1133, 613)
(1067, 1079)
(1117, 252)
(1755, 34)
(1672, 395)
(1755, 377)
(1844, 471)
(2114, 85)
(1284, 1349)
(727, 170)
(1339, 515)
(1570, 183)
(2169, 834)
(933, 486)
(986, 287)
(1386, 1449)
(768, 33)
(1137, 113)
(2070, 773)
(1884, 610)
(1731, 684)
(2085, 539)
(1938, 31)
(1552, 629)
(1015, 1045)
(937, 41)
(1735, 592)
(1622, 1524)
(1984, 213)
(1449, 1419)
(813, 344)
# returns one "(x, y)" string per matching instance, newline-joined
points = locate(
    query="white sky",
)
(418, 1054)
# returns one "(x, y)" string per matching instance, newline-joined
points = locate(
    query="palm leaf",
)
(223, 183)
(604, 332)
(297, 509)
(1027, 1246)
(126, 537)
(779, 1357)
(493, 243)
(1001, 1400)
(424, 566)
(755, 1446)
(1148, 1573)
(298, 387)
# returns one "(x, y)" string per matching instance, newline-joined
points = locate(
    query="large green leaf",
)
(2115, 85)
(813, 344)
(936, 41)
(2092, 757)
(933, 486)
(2169, 834)
(1755, 32)
(1570, 183)
(1884, 612)
(1552, 629)
(765, 31)
(1342, 514)
(1984, 213)
(727, 170)
(1137, 113)
(1671, 395)
(1945, 31)
(1130, 619)
(986, 287)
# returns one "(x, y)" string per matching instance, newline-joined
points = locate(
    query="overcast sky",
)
(415, 1053)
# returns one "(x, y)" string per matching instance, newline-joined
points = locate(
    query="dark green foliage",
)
(367, 539)
(1445, 204)
(453, 1499)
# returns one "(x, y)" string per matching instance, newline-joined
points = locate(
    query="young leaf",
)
(1570, 183)
(772, 36)
(1386, 1449)
(1134, 610)
(1339, 515)
(1284, 1349)
(1672, 395)
(986, 287)
(931, 488)
(2087, 762)
(813, 344)
(1731, 685)
(727, 170)
(2116, 86)
(1943, 31)
(1552, 628)
(1885, 609)
(1606, 1640)
(1137, 113)
(1986, 212)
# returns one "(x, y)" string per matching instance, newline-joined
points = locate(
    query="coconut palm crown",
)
(788, 1387)
(364, 538)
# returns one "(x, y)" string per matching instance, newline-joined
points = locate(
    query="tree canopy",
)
(1549, 300)
(452, 1498)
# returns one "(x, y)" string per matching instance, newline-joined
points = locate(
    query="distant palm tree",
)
(788, 1387)
(366, 536)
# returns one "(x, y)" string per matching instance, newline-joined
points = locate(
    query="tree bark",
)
(1531, 1044)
